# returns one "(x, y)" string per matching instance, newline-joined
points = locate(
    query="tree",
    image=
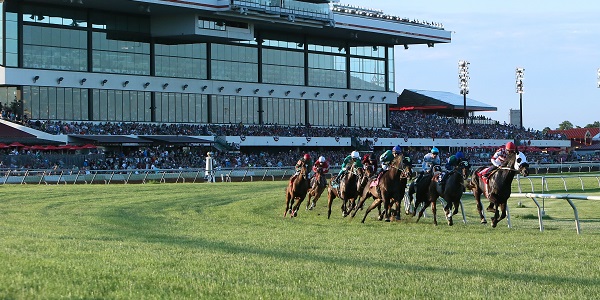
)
(546, 129)
(596, 124)
(565, 125)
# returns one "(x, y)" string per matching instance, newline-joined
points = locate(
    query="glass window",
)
(327, 70)
(184, 61)
(235, 63)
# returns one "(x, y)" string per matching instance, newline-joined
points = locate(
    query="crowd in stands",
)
(170, 157)
(409, 124)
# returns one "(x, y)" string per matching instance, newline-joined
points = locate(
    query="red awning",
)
(16, 144)
(88, 146)
(4, 146)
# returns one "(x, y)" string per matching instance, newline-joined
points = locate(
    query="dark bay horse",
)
(389, 190)
(317, 186)
(499, 185)
(347, 191)
(451, 192)
(295, 193)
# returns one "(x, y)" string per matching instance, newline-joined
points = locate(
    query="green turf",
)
(230, 241)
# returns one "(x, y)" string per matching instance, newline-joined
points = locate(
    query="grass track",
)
(226, 240)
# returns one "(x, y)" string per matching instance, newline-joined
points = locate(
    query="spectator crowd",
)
(408, 124)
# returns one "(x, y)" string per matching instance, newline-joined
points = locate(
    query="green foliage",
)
(565, 125)
(596, 124)
(229, 240)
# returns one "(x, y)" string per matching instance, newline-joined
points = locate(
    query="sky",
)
(556, 42)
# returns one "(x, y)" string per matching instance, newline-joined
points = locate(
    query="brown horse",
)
(390, 188)
(296, 192)
(347, 191)
(317, 186)
(451, 192)
(499, 185)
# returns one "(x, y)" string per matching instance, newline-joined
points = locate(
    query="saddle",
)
(375, 180)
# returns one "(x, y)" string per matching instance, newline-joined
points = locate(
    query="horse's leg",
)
(503, 211)
(287, 203)
(310, 194)
(375, 203)
(425, 205)
(434, 210)
(366, 195)
(477, 195)
(317, 195)
(330, 197)
(496, 215)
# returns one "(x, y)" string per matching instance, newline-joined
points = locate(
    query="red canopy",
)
(37, 147)
(3, 146)
(51, 147)
(16, 144)
(88, 146)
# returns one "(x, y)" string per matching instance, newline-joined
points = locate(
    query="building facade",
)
(203, 61)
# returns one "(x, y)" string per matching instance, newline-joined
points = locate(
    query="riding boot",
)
(411, 190)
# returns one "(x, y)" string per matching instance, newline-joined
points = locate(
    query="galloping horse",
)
(452, 192)
(499, 185)
(391, 185)
(347, 191)
(317, 186)
(296, 192)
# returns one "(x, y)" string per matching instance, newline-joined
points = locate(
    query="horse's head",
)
(521, 164)
(517, 162)
(464, 168)
(404, 165)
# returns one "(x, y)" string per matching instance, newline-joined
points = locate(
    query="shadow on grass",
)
(135, 223)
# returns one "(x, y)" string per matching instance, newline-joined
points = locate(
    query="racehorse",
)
(347, 191)
(391, 186)
(451, 193)
(317, 186)
(499, 184)
(296, 192)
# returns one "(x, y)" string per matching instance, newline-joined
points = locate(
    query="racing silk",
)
(323, 165)
(348, 160)
(302, 162)
(429, 161)
(499, 157)
(386, 158)
(452, 163)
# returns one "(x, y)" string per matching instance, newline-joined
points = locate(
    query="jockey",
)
(369, 163)
(302, 162)
(387, 157)
(352, 159)
(322, 164)
(497, 160)
(430, 160)
(451, 164)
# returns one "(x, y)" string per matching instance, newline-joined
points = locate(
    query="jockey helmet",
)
(459, 155)
(321, 159)
(306, 156)
(355, 155)
(511, 146)
(435, 150)
(397, 149)
(452, 160)
(365, 157)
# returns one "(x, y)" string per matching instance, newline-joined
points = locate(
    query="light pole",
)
(519, 81)
(463, 83)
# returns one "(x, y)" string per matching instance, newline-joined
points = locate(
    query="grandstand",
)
(235, 75)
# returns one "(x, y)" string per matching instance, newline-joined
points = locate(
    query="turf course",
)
(229, 241)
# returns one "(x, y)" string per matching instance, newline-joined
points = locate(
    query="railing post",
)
(59, 178)
(24, 176)
(111, 177)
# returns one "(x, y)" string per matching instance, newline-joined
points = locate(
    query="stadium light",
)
(520, 72)
(463, 81)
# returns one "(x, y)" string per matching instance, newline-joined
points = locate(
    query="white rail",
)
(567, 197)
